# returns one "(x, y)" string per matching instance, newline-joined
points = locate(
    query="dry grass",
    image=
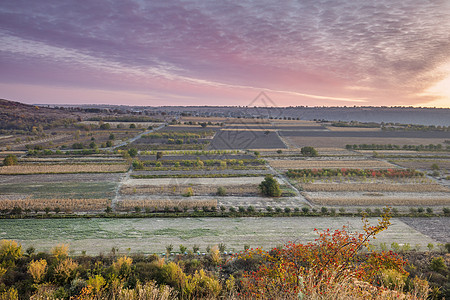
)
(330, 164)
(67, 205)
(369, 199)
(373, 187)
(63, 168)
(181, 189)
(128, 204)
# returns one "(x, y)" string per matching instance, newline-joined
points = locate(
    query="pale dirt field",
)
(373, 187)
(332, 128)
(286, 164)
(299, 141)
(373, 198)
(153, 235)
(114, 123)
(294, 123)
(194, 181)
(42, 169)
(423, 163)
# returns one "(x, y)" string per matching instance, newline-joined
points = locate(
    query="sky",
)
(197, 52)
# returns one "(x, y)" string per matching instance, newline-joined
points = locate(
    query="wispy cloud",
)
(379, 53)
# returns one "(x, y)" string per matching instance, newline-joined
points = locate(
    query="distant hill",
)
(19, 116)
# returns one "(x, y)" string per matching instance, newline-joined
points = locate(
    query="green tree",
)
(10, 160)
(309, 151)
(132, 152)
(159, 155)
(270, 187)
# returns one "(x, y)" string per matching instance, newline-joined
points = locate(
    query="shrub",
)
(309, 151)
(321, 269)
(270, 187)
(287, 210)
(221, 191)
(305, 209)
(37, 269)
(437, 264)
(434, 166)
(10, 251)
(132, 152)
(10, 160)
(189, 192)
(159, 155)
(138, 165)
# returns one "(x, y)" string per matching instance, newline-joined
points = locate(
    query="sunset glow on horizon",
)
(156, 53)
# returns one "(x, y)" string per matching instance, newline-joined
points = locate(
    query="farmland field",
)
(63, 168)
(285, 164)
(152, 235)
(378, 199)
(334, 141)
(246, 139)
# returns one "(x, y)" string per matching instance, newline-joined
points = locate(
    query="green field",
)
(153, 235)
(73, 190)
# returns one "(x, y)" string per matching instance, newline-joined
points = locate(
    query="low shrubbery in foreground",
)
(338, 265)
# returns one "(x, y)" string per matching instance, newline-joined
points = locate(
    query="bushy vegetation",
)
(309, 151)
(10, 160)
(338, 265)
(270, 187)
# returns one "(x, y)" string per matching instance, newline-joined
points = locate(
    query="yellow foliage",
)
(60, 251)
(64, 269)
(10, 251)
(37, 269)
(215, 255)
(10, 294)
(201, 286)
(122, 261)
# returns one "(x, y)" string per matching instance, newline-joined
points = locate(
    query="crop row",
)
(376, 199)
(195, 189)
(430, 147)
(66, 205)
(354, 172)
(332, 164)
(194, 176)
(158, 205)
(373, 187)
(193, 152)
(63, 168)
(208, 162)
(176, 135)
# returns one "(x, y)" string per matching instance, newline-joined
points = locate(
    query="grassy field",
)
(152, 235)
(68, 189)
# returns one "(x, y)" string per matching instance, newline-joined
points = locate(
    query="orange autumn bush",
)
(332, 267)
